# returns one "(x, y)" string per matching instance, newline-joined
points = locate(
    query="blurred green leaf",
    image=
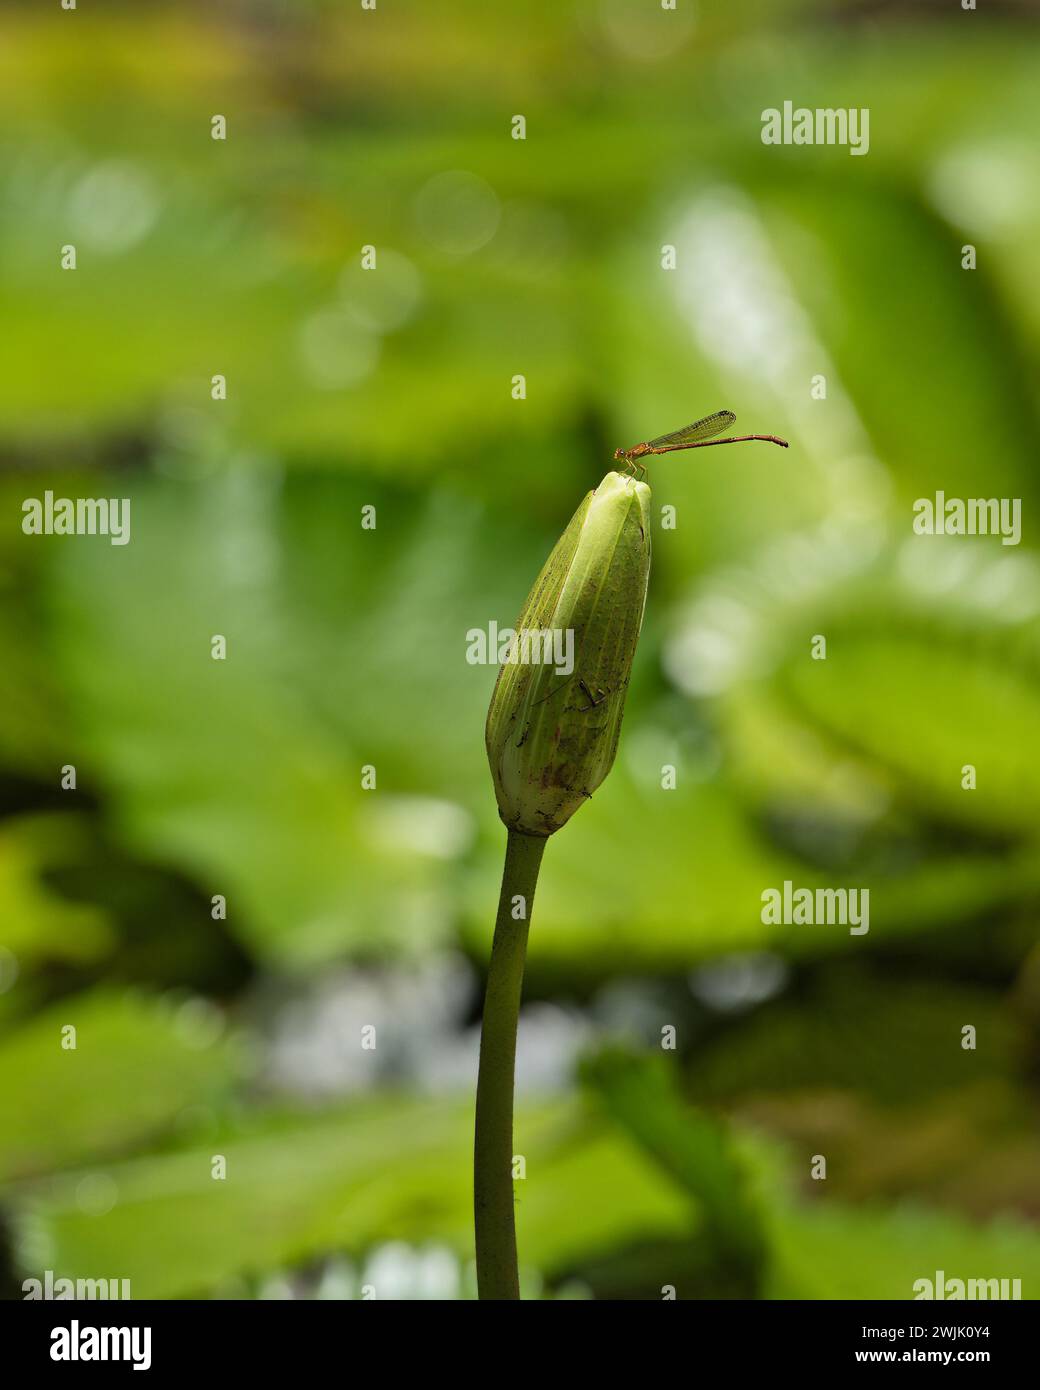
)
(824, 1250)
(137, 1065)
(640, 1095)
(386, 1170)
(38, 924)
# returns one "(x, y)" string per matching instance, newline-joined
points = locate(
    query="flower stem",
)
(497, 1275)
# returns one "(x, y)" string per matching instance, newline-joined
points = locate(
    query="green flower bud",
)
(552, 732)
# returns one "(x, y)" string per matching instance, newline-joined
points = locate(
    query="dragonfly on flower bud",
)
(699, 435)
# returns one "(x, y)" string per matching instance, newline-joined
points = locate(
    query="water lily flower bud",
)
(555, 715)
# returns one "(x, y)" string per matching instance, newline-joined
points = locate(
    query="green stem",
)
(497, 1275)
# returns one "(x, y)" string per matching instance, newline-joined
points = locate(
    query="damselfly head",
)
(619, 455)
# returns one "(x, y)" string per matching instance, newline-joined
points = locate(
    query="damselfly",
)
(695, 436)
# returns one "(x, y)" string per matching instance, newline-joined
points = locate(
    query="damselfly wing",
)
(700, 429)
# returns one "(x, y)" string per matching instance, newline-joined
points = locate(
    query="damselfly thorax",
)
(699, 435)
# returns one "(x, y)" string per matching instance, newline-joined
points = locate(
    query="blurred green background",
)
(349, 908)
